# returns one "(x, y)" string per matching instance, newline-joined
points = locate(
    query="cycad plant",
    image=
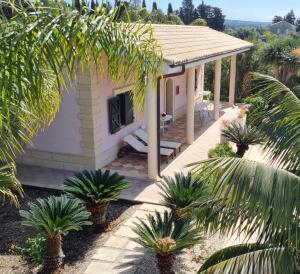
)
(243, 136)
(54, 217)
(159, 235)
(96, 189)
(182, 193)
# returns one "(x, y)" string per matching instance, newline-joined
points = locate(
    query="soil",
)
(78, 246)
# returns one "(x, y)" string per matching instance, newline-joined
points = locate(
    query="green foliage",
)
(199, 22)
(244, 257)
(221, 150)
(243, 136)
(183, 192)
(170, 9)
(174, 19)
(159, 235)
(55, 215)
(33, 251)
(96, 186)
(279, 121)
(10, 187)
(186, 11)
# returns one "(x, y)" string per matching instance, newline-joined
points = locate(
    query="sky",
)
(249, 10)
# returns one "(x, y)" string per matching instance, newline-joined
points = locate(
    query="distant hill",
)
(245, 24)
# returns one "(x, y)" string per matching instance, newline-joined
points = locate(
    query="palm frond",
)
(279, 121)
(10, 187)
(159, 235)
(96, 186)
(256, 197)
(56, 215)
(250, 258)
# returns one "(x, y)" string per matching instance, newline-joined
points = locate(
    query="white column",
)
(218, 70)
(152, 130)
(232, 80)
(190, 107)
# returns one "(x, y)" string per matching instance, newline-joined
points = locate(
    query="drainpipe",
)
(158, 111)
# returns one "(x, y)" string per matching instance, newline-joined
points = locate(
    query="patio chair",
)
(139, 147)
(141, 134)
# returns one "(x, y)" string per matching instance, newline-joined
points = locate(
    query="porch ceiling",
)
(186, 44)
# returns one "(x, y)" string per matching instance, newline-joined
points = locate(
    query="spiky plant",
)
(159, 235)
(243, 137)
(96, 189)
(181, 193)
(54, 217)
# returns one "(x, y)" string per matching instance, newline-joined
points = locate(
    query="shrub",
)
(54, 217)
(96, 189)
(159, 235)
(221, 150)
(33, 250)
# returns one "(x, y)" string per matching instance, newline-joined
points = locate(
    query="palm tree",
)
(96, 189)
(159, 235)
(54, 217)
(261, 199)
(42, 47)
(243, 136)
(182, 193)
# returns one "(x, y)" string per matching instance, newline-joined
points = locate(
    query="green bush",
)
(33, 250)
(221, 150)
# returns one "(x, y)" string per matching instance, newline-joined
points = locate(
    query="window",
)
(120, 110)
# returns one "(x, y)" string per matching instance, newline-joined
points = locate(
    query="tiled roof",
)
(183, 44)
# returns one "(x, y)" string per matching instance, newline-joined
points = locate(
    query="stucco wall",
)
(63, 135)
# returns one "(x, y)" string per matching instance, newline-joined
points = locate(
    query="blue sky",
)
(253, 10)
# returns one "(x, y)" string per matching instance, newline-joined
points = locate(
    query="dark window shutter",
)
(196, 79)
(114, 114)
(127, 111)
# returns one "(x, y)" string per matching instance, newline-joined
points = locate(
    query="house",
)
(282, 28)
(96, 114)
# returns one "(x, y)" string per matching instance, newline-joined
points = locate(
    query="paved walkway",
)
(120, 254)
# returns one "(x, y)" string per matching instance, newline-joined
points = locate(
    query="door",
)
(169, 97)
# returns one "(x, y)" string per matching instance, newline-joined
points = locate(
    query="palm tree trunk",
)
(98, 213)
(276, 69)
(241, 150)
(165, 263)
(53, 254)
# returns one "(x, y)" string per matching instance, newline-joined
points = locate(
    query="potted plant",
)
(242, 136)
(159, 235)
(181, 193)
(54, 217)
(96, 189)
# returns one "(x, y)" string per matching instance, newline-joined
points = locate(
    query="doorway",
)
(169, 97)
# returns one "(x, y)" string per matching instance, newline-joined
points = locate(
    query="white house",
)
(96, 114)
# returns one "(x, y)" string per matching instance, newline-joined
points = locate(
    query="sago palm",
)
(96, 189)
(182, 193)
(54, 217)
(243, 136)
(43, 47)
(261, 199)
(159, 235)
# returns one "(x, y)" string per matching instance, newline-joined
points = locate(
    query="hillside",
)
(239, 23)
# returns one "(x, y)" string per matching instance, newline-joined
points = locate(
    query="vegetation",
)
(243, 136)
(221, 150)
(96, 189)
(159, 235)
(33, 250)
(261, 199)
(37, 44)
(54, 217)
(182, 193)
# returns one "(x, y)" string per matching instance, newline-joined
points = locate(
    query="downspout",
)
(158, 111)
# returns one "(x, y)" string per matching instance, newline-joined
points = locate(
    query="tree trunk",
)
(98, 213)
(241, 150)
(53, 254)
(276, 69)
(165, 263)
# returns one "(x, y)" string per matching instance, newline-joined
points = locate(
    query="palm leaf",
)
(250, 258)
(279, 121)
